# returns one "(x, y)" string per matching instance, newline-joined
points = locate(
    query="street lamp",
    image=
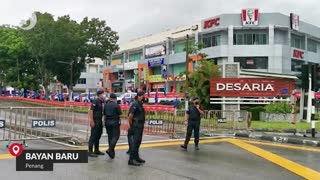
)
(70, 86)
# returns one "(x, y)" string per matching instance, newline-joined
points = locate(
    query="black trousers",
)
(113, 131)
(95, 136)
(130, 138)
(195, 127)
(137, 132)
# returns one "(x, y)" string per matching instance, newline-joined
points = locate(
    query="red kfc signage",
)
(298, 54)
(250, 87)
(209, 23)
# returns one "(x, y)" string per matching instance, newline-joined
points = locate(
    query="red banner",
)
(250, 87)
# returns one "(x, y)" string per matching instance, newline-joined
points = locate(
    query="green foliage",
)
(199, 81)
(30, 57)
(279, 107)
(256, 112)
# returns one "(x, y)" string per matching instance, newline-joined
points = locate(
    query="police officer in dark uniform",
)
(130, 135)
(193, 116)
(136, 121)
(112, 114)
(95, 114)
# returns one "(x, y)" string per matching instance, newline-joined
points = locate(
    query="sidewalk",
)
(288, 136)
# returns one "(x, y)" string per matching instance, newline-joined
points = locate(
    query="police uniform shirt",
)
(112, 112)
(138, 113)
(96, 106)
(194, 114)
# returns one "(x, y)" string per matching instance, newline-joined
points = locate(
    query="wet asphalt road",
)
(220, 160)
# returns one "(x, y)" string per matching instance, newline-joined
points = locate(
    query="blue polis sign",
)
(155, 62)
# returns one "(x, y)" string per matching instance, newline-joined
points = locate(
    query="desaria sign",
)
(244, 87)
(250, 87)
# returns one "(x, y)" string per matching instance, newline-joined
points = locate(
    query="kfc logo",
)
(250, 17)
(211, 22)
(294, 22)
(298, 54)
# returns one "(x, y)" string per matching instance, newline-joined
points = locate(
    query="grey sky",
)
(136, 18)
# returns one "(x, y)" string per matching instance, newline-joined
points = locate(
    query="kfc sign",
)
(297, 54)
(250, 17)
(250, 87)
(211, 22)
(294, 22)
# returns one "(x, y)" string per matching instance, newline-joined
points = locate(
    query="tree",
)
(16, 66)
(199, 81)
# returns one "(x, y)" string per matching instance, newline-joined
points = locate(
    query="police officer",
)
(193, 116)
(95, 114)
(136, 122)
(130, 135)
(112, 114)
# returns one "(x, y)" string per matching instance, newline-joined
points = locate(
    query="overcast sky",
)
(136, 18)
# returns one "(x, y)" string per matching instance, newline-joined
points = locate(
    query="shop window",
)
(82, 81)
(135, 57)
(249, 38)
(210, 41)
(156, 70)
(252, 62)
(312, 46)
(297, 42)
(295, 63)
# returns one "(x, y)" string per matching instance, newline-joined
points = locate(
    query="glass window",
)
(135, 57)
(178, 68)
(295, 63)
(211, 41)
(249, 38)
(252, 62)
(297, 42)
(156, 70)
(82, 81)
(312, 46)
(179, 47)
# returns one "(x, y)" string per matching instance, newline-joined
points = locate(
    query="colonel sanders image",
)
(250, 14)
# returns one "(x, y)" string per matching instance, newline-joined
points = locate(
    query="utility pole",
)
(71, 77)
(187, 74)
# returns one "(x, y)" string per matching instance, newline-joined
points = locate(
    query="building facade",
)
(264, 42)
(91, 77)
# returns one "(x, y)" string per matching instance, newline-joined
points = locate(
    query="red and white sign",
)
(297, 54)
(294, 22)
(250, 87)
(250, 17)
(211, 22)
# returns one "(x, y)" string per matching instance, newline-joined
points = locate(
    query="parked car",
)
(127, 96)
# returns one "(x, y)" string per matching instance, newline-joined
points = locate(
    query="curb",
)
(280, 139)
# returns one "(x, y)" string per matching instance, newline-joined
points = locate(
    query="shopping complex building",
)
(260, 42)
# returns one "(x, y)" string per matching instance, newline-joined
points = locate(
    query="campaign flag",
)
(156, 97)
(72, 96)
(175, 103)
(165, 91)
(148, 92)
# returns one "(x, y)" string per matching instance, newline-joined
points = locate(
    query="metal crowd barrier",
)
(33, 123)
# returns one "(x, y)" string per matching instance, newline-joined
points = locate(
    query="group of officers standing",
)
(136, 119)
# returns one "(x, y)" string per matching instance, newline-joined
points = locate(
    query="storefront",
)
(117, 86)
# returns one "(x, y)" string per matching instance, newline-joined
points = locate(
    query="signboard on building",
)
(294, 22)
(250, 87)
(155, 62)
(297, 54)
(131, 65)
(213, 22)
(115, 62)
(155, 51)
(156, 78)
(250, 17)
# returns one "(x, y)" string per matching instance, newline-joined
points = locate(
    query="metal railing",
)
(68, 124)
(20, 123)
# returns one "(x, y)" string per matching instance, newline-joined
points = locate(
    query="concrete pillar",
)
(230, 43)
(271, 34)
